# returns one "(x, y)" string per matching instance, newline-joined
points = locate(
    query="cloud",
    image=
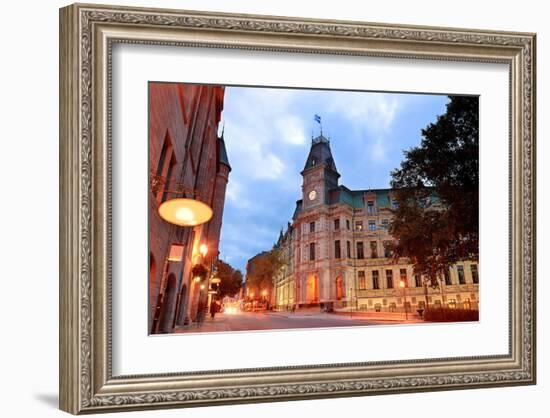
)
(291, 129)
(371, 116)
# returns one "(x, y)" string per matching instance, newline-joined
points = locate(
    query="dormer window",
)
(370, 206)
(313, 161)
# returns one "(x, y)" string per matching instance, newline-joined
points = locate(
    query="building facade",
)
(185, 153)
(337, 251)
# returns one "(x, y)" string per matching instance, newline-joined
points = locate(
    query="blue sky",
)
(268, 135)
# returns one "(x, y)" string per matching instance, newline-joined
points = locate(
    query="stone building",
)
(185, 153)
(337, 250)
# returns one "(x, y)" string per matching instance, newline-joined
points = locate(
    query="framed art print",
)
(259, 208)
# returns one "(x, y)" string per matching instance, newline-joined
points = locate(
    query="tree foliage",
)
(231, 279)
(436, 222)
(263, 268)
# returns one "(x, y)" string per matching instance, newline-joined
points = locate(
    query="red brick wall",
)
(189, 115)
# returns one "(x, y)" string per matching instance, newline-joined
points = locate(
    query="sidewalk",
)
(381, 316)
(209, 325)
(345, 315)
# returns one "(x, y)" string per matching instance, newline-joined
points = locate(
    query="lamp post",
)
(403, 285)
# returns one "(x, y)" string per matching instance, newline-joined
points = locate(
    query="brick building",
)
(337, 250)
(186, 155)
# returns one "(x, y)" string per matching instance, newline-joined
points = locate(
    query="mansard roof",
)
(320, 153)
(355, 198)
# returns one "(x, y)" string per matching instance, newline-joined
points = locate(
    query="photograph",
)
(274, 208)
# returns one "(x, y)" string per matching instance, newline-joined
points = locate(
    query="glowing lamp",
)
(215, 280)
(203, 250)
(185, 212)
(402, 283)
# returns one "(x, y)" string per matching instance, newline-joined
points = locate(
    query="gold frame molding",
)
(87, 34)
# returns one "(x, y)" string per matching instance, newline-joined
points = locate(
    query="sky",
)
(268, 135)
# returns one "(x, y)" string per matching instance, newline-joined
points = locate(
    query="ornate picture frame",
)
(87, 35)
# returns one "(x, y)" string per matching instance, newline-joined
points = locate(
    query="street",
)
(250, 321)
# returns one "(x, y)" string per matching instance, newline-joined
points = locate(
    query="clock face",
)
(312, 195)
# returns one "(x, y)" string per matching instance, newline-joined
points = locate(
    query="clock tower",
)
(319, 174)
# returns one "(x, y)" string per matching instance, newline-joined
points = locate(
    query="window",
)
(387, 249)
(452, 303)
(372, 225)
(165, 166)
(312, 251)
(475, 275)
(360, 251)
(336, 224)
(375, 282)
(421, 304)
(348, 249)
(403, 276)
(394, 204)
(417, 280)
(448, 281)
(337, 249)
(370, 206)
(389, 279)
(384, 224)
(168, 177)
(361, 284)
(460, 271)
(312, 227)
(347, 224)
(358, 225)
(373, 250)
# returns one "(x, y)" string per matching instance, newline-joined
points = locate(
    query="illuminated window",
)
(358, 225)
(361, 283)
(403, 276)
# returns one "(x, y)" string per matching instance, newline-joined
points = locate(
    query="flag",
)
(317, 119)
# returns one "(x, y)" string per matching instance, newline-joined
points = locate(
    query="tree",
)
(436, 222)
(262, 269)
(231, 279)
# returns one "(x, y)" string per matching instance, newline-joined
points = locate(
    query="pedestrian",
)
(214, 307)
(200, 313)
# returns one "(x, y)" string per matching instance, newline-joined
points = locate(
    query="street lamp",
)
(185, 212)
(203, 250)
(402, 284)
